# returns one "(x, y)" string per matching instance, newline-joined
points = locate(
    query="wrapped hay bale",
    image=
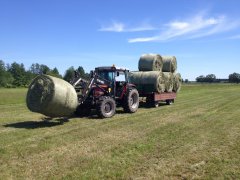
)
(150, 62)
(177, 82)
(149, 81)
(169, 64)
(168, 81)
(51, 96)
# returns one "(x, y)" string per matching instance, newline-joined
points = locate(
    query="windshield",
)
(108, 75)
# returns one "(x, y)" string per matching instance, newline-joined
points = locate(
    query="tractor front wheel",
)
(106, 107)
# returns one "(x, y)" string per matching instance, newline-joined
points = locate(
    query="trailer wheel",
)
(169, 102)
(106, 107)
(156, 104)
(131, 101)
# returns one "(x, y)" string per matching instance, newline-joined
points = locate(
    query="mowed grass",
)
(198, 137)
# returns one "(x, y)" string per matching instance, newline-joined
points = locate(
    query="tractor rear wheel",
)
(131, 101)
(106, 107)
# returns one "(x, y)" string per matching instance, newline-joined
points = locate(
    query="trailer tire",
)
(169, 102)
(131, 101)
(106, 107)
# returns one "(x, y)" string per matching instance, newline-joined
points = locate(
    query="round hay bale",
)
(148, 81)
(177, 82)
(168, 81)
(169, 64)
(150, 62)
(51, 96)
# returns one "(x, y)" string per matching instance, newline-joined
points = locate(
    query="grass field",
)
(198, 137)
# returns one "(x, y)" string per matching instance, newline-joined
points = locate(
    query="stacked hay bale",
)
(170, 68)
(148, 81)
(156, 74)
(51, 96)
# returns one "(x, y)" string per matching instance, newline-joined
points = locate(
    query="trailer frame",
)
(153, 99)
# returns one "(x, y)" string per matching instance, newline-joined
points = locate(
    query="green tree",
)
(39, 69)
(44, 69)
(69, 74)
(35, 68)
(234, 78)
(210, 78)
(6, 78)
(81, 71)
(54, 73)
(201, 78)
(19, 74)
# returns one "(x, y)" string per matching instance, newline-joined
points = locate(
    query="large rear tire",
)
(106, 107)
(131, 101)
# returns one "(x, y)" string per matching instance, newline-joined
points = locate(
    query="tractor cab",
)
(112, 78)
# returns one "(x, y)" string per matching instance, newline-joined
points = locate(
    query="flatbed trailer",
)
(154, 98)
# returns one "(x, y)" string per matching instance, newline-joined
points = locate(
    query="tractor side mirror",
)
(118, 73)
(91, 74)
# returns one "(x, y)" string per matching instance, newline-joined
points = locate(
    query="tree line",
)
(16, 75)
(211, 78)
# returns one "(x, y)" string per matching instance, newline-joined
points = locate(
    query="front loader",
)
(108, 88)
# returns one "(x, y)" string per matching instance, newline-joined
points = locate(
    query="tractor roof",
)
(111, 68)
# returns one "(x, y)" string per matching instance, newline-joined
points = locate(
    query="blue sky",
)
(204, 35)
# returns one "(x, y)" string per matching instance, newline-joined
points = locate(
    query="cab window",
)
(121, 76)
(108, 75)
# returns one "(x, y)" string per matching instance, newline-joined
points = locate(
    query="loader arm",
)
(94, 81)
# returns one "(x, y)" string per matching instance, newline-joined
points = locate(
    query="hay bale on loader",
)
(51, 96)
(149, 81)
(150, 62)
(177, 82)
(169, 64)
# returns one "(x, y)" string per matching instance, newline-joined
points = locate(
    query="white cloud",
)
(195, 27)
(146, 39)
(114, 27)
(121, 27)
(179, 25)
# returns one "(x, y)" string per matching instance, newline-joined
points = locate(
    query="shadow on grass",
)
(119, 110)
(38, 124)
(144, 105)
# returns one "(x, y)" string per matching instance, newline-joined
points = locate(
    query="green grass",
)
(195, 138)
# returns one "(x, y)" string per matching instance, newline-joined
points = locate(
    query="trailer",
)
(153, 99)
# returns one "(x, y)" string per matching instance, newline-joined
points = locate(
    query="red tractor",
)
(108, 87)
